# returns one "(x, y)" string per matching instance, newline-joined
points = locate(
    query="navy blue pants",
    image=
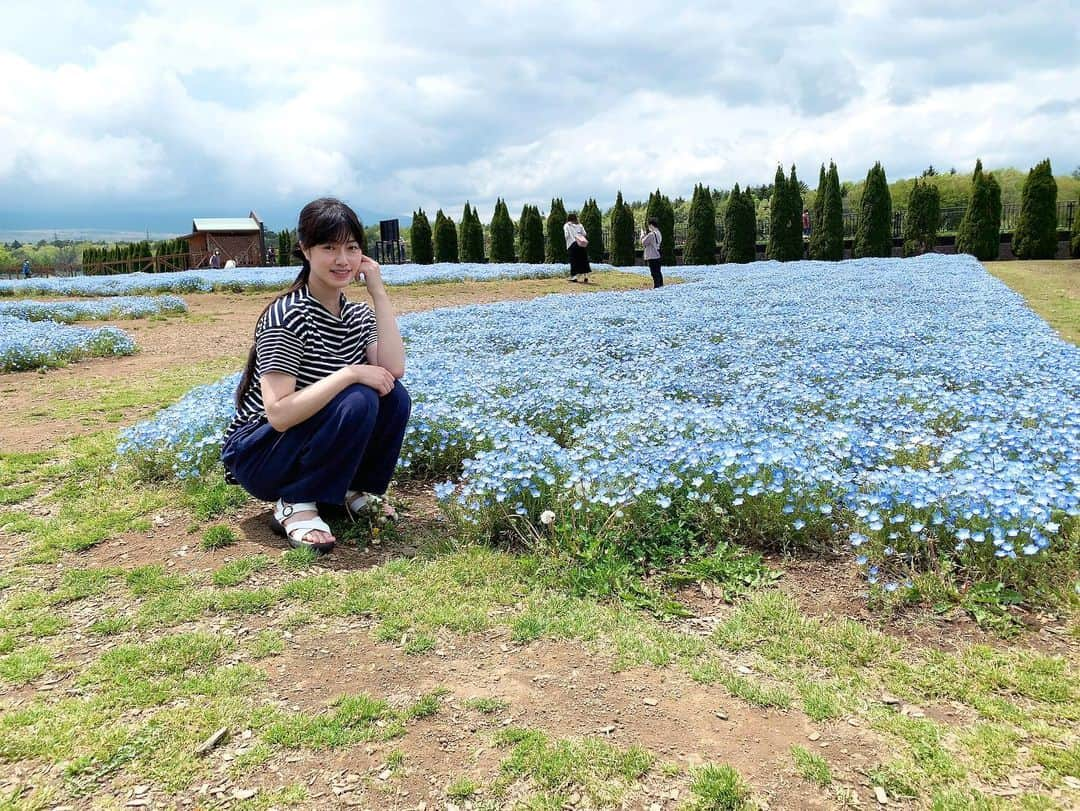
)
(353, 443)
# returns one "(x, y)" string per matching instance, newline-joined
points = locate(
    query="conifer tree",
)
(873, 236)
(832, 218)
(446, 239)
(475, 238)
(530, 235)
(502, 234)
(420, 241)
(465, 242)
(593, 222)
(818, 216)
(700, 248)
(969, 236)
(922, 219)
(660, 206)
(1074, 243)
(796, 249)
(740, 228)
(778, 214)
(555, 250)
(991, 236)
(622, 233)
(1036, 230)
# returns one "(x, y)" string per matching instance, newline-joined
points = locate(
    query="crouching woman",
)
(321, 412)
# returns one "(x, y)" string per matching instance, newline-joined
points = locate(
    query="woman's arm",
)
(389, 351)
(286, 407)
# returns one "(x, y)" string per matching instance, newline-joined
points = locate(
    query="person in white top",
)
(576, 242)
(650, 241)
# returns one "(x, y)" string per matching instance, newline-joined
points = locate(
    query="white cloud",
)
(397, 105)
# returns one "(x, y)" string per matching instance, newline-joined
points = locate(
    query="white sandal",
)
(358, 504)
(296, 531)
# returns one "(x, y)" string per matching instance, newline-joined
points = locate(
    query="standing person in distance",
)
(576, 243)
(650, 241)
(321, 413)
(215, 259)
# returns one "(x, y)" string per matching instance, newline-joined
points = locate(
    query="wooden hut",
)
(238, 238)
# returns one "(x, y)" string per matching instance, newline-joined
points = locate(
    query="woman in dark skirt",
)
(576, 243)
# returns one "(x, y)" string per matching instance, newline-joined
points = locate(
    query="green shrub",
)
(471, 236)
(740, 228)
(502, 234)
(593, 223)
(420, 243)
(873, 236)
(659, 206)
(922, 219)
(785, 218)
(832, 218)
(817, 215)
(555, 249)
(446, 238)
(700, 248)
(531, 235)
(1036, 230)
(622, 233)
(980, 227)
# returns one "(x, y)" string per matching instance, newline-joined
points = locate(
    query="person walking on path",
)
(321, 412)
(650, 241)
(26, 269)
(576, 243)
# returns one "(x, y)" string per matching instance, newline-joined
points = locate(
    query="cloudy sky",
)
(133, 115)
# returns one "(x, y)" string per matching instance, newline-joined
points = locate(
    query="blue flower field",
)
(913, 410)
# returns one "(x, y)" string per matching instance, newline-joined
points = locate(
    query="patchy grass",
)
(813, 768)
(718, 788)
(1051, 288)
(559, 768)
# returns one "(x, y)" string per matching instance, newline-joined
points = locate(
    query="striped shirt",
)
(298, 336)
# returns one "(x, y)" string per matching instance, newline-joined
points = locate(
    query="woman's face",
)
(334, 264)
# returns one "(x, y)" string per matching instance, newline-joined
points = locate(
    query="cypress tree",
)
(472, 236)
(465, 234)
(778, 214)
(446, 239)
(700, 248)
(420, 241)
(1074, 243)
(796, 249)
(991, 236)
(832, 218)
(531, 235)
(660, 207)
(922, 219)
(818, 216)
(502, 234)
(1036, 230)
(593, 223)
(873, 237)
(969, 236)
(622, 233)
(740, 228)
(555, 250)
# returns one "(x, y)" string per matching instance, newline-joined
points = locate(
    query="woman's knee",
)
(356, 403)
(398, 399)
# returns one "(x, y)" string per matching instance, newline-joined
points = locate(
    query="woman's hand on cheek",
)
(372, 275)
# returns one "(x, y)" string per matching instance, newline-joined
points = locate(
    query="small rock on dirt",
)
(882, 797)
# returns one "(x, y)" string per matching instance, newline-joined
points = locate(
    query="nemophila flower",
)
(37, 344)
(802, 410)
(66, 312)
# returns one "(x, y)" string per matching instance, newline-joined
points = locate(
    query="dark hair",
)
(321, 221)
(654, 221)
(571, 217)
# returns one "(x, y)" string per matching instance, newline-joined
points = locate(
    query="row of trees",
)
(132, 256)
(1035, 236)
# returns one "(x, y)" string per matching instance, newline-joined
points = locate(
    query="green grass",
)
(487, 706)
(238, 571)
(718, 788)
(353, 719)
(1050, 288)
(462, 788)
(812, 768)
(559, 768)
(218, 537)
